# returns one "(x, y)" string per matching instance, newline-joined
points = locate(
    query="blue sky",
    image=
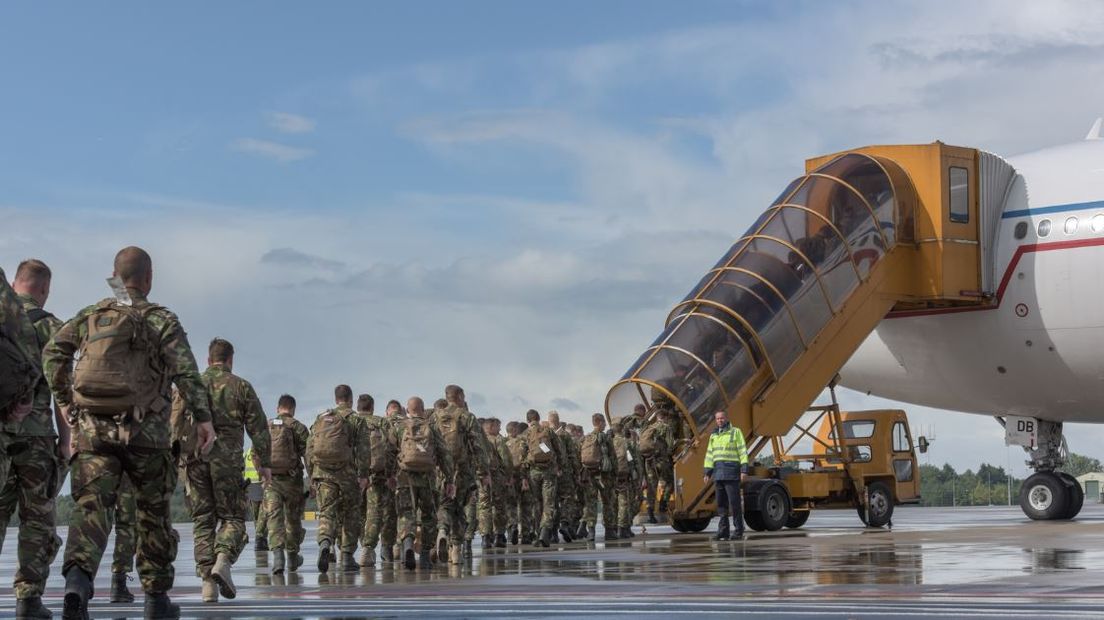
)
(505, 195)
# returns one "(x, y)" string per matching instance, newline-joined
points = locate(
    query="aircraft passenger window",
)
(1044, 228)
(1098, 223)
(1021, 230)
(1071, 225)
(901, 438)
(960, 195)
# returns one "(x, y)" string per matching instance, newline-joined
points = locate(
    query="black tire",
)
(754, 520)
(1077, 495)
(690, 526)
(1044, 497)
(774, 507)
(881, 505)
(797, 518)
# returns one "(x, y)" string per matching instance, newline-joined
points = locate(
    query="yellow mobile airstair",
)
(861, 234)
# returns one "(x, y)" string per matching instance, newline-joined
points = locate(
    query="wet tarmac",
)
(960, 563)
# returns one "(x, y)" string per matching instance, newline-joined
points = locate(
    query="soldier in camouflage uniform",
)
(122, 556)
(657, 439)
(379, 498)
(545, 458)
(566, 485)
(390, 527)
(135, 442)
(625, 482)
(639, 480)
(599, 478)
(414, 494)
(338, 486)
(284, 497)
(21, 369)
(521, 511)
(34, 474)
(465, 441)
(214, 481)
(495, 503)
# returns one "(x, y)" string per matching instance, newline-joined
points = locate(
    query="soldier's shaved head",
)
(220, 351)
(343, 395)
(415, 406)
(366, 403)
(554, 418)
(532, 416)
(32, 277)
(135, 268)
(440, 403)
(454, 394)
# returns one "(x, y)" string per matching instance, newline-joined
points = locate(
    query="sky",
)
(509, 196)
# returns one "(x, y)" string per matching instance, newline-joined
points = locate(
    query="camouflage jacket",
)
(235, 410)
(40, 423)
(570, 463)
(501, 444)
(518, 449)
(176, 358)
(15, 325)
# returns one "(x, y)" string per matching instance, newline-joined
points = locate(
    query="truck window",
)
(902, 469)
(901, 441)
(858, 429)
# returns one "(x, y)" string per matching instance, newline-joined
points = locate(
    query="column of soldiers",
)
(114, 397)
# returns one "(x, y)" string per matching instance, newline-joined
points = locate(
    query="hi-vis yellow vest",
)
(251, 471)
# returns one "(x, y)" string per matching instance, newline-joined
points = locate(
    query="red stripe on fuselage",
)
(1020, 251)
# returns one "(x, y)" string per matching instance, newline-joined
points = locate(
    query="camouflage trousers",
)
(352, 507)
(566, 503)
(415, 504)
(659, 469)
(627, 499)
(452, 514)
(600, 492)
(122, 556)
(216, 496)
(522, 510)
(379, 515)
(471, 514)
(261, 517)
(494, 505)
(31, 485)
(97, 474)
(283, 512)
(543, 484)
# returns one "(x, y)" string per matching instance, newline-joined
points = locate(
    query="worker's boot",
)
(424, 562)
(324, 556)
(591, 533)
(209, 590)
(500, 540)
(158, 605)
(408, 554)
(221, 574)
(545, 538)
(119, 591)
(278, 562)
(387, 553)
(295, 560)
(348, 562)
(368, 558)
(261, 544)
(612, 532)
(651, 515)
(722, 530)
(32, 608)
(78, 589)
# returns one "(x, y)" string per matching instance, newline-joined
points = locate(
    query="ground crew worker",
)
(544, 454)
(122, 556)
(464, 440)
(423, 456)
(131, 435)
(254, 496)
(37, 456)
(338, 469)
(283, 495)
(379, 497)
(214, 482)
(725, 462)
(521, 511)
(598, 461)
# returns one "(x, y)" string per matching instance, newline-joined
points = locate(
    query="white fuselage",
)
(1040, 351)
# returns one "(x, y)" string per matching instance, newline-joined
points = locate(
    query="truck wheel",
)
(774, 507)
(797, 518)
(1076, 494)
(690, 526)
(881, 505)
(1044, 497)
(754, 520)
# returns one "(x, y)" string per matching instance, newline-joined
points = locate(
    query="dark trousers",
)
(728, 502)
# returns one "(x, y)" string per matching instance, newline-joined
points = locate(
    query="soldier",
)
(493, 500)
(422, 456)
(625, 484)
(132, 350)
(656, 441)
(565, 488)
(544, 454)
(284, 496)
(35, 470)
(390, 526)
(354, 484)
(599, 463)
(338, 469)
(638, 419)
(122, 556)
(19, 373)
(577, 436)
(379, 498)
(521, 511)
(214, 482)
(464, 441)
(639, 480)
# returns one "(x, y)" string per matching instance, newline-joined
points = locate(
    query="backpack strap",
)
(37, 314)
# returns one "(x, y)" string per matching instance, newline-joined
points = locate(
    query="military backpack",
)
(284, 457)
(652, 441)
(448, 424)
(541, 441)
(417, 453)
(331, 440)
(379, 448)
(517, 446)
(184, 433)
(590, 452)
(622, 457)
(119, 367)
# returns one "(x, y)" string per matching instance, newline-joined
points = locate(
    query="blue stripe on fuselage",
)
(1076, 206)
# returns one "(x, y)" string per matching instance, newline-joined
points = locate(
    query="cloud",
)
(271, 150)
(288, 257)
(285, 122)
(566, 404)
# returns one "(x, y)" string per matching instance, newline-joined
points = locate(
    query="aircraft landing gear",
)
(1047, 494)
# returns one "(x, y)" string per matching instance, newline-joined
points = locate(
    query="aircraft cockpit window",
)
(1071, 226)
(1044, 228)
(1021, 230)
(1098, 223)
(960, 195)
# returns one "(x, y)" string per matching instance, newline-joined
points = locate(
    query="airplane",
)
(937, 275)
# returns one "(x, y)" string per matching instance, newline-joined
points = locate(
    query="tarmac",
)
(985, 562)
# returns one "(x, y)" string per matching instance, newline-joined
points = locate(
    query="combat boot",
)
(651, 515)
(662, 506)
(387, 554)
(119, 591)
(487, 543)
(158, 605)
(565, 531)
(348, 562)
(408, 553)
(209, 591)
(295, 560)
(442, 545)
(368, 558)
(467, 550)
(722, 530)
(626, 532)
(581, 532)
(324, 556)
(514, 536)
(612, 533)
(78, 589)
(423, 561)
(591, 533)
(221, 574)
(500, 540)
(32, 608)
(545, 537)
(278, 562)
(527, 537)
(261, 544)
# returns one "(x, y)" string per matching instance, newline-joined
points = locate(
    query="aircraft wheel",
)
(881, 506)
(1077, 494)
(797, 518)
(1045, 497)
